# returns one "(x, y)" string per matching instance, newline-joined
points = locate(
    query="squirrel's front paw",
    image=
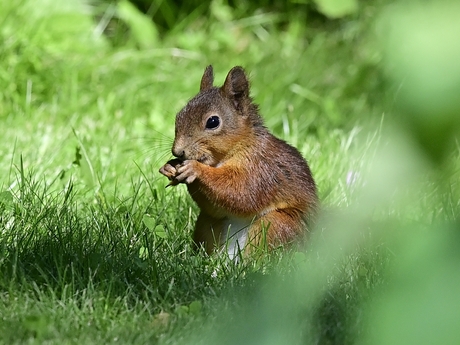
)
(188, 171)
(170, 168)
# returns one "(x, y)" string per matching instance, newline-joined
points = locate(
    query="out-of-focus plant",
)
(421, 55)
(420, 304)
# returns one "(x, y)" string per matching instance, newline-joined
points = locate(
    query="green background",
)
(94, 249)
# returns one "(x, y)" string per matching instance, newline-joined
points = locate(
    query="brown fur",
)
(239, 169)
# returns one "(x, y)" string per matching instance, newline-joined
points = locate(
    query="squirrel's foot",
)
(188, 172)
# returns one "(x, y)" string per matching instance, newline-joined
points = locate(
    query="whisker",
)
(156, 159)
(150, 140)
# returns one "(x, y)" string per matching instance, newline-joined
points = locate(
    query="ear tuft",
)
(236, 84)
(207, 79)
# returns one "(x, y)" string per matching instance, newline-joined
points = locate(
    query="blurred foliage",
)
(35, 58)
(337, 8)
(169, 15)
(421, 51)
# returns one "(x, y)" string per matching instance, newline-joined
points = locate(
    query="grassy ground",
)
(94, 249)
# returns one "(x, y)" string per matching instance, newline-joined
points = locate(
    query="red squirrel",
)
(252, 188)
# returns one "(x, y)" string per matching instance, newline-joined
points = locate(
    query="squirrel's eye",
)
(213, 122)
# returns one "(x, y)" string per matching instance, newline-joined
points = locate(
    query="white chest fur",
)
(235, 236)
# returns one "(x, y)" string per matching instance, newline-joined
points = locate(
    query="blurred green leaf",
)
(142, 28)
(6, 197)
(195, 307)
(77, 156)
(182, 310)
(143, 253)
(38, 325)
(221, 11)
(337, 8)
(299, 258)
(6, 200)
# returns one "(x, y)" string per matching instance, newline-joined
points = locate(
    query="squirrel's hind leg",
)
(207, 232)
(278, 227)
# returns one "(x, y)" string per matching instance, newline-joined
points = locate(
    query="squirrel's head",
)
(217, 120)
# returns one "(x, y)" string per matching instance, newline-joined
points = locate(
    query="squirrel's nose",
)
(178, 152)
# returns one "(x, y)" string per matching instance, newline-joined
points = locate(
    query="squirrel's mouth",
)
(202, 159)
(206, 160)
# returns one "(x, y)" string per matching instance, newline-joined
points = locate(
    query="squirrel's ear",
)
(207, 79)
(236, 86)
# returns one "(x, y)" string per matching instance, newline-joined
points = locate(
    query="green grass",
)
(94, 249)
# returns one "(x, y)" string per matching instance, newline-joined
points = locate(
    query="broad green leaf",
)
(160, 231)
(149, 222)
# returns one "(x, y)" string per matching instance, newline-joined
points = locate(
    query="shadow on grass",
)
(50, 240)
